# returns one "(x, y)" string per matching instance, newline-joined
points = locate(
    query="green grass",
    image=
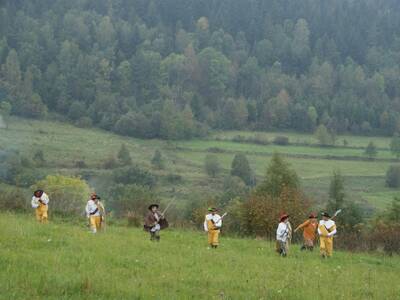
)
(353, 141)
(318, 152)
(64, 261)
(63, 145)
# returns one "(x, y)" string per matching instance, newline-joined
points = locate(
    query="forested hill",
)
(174, 68)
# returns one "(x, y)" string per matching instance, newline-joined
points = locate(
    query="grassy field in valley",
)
(64, 145)
(64, 261)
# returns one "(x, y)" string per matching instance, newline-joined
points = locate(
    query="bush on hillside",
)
(67, 195)
(131, 201)
(211, 165)
(110, 163)
(13, 199)
(134, 175)
(393, 176)
(281, 140)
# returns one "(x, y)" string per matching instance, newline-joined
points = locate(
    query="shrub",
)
(13, 167)
(134, 175)
(131, 201)
(12, 199)
(281, 140)
(174, 178)
(38, 157)
(110, 163)
(260, 212)
(240, 167)
(393, 176)
(80, 164)
(124, 157)
(386, 236)
(211, 165)
(215, 150)
(157, 161)
(84, 122)
(67, 195)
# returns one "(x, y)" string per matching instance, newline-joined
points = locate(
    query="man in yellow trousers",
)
(212, 225)
(40, 202)
(326, 231)
(94, 212)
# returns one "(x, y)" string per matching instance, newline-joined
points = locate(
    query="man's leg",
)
(38, 215)
(92, 220)
(329, 246)
(44, 217)
(283, 248)
(322, 246)
(157, 235)
(215, 240)
(210, 238)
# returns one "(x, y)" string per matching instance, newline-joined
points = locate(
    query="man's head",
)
(38, 193)
(153, 207)
(284, 218)
(93, 196)
(325, 216)
(312, 216)
(212, 210)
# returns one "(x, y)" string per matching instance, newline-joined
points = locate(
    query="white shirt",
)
(91, 207)
(217, 220)
(282, 232)
(35, 200)
(328, 225)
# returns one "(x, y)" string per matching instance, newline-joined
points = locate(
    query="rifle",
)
(336, 213)
(168, 206)
(223, 216)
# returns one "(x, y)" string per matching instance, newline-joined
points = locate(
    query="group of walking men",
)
(326, 229)
(155, 221)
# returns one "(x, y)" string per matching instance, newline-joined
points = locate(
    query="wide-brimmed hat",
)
(312, 216)
(325, 214)
(212, 209)
(153, 205)
(283, 217)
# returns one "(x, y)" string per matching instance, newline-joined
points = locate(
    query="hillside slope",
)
(64, 145)
(64, 261)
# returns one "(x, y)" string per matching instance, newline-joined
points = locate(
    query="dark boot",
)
(303, 248)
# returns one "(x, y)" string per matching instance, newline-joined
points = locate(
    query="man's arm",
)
(302, 225)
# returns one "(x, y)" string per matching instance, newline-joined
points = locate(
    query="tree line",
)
(174, 69)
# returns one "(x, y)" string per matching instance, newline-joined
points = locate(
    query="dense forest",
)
(174, 69)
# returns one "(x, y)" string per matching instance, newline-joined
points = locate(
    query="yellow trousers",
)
(326, 246)
(213, 237)
(95, 223)
(41, 213)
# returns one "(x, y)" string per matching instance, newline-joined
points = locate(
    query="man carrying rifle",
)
(40, 202)
(155, 222)
(95, 212)
(283, 235)
(212, 225)
(326, 231)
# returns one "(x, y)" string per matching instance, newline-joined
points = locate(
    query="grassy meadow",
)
(64, 261)
(64, 145)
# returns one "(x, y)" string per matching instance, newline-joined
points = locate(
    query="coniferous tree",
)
(124, 156)
(241, 168)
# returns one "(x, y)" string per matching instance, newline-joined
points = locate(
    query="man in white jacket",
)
(40, 202)
(212, 225)
(326, 231)
(283, 235)
(94, 212)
